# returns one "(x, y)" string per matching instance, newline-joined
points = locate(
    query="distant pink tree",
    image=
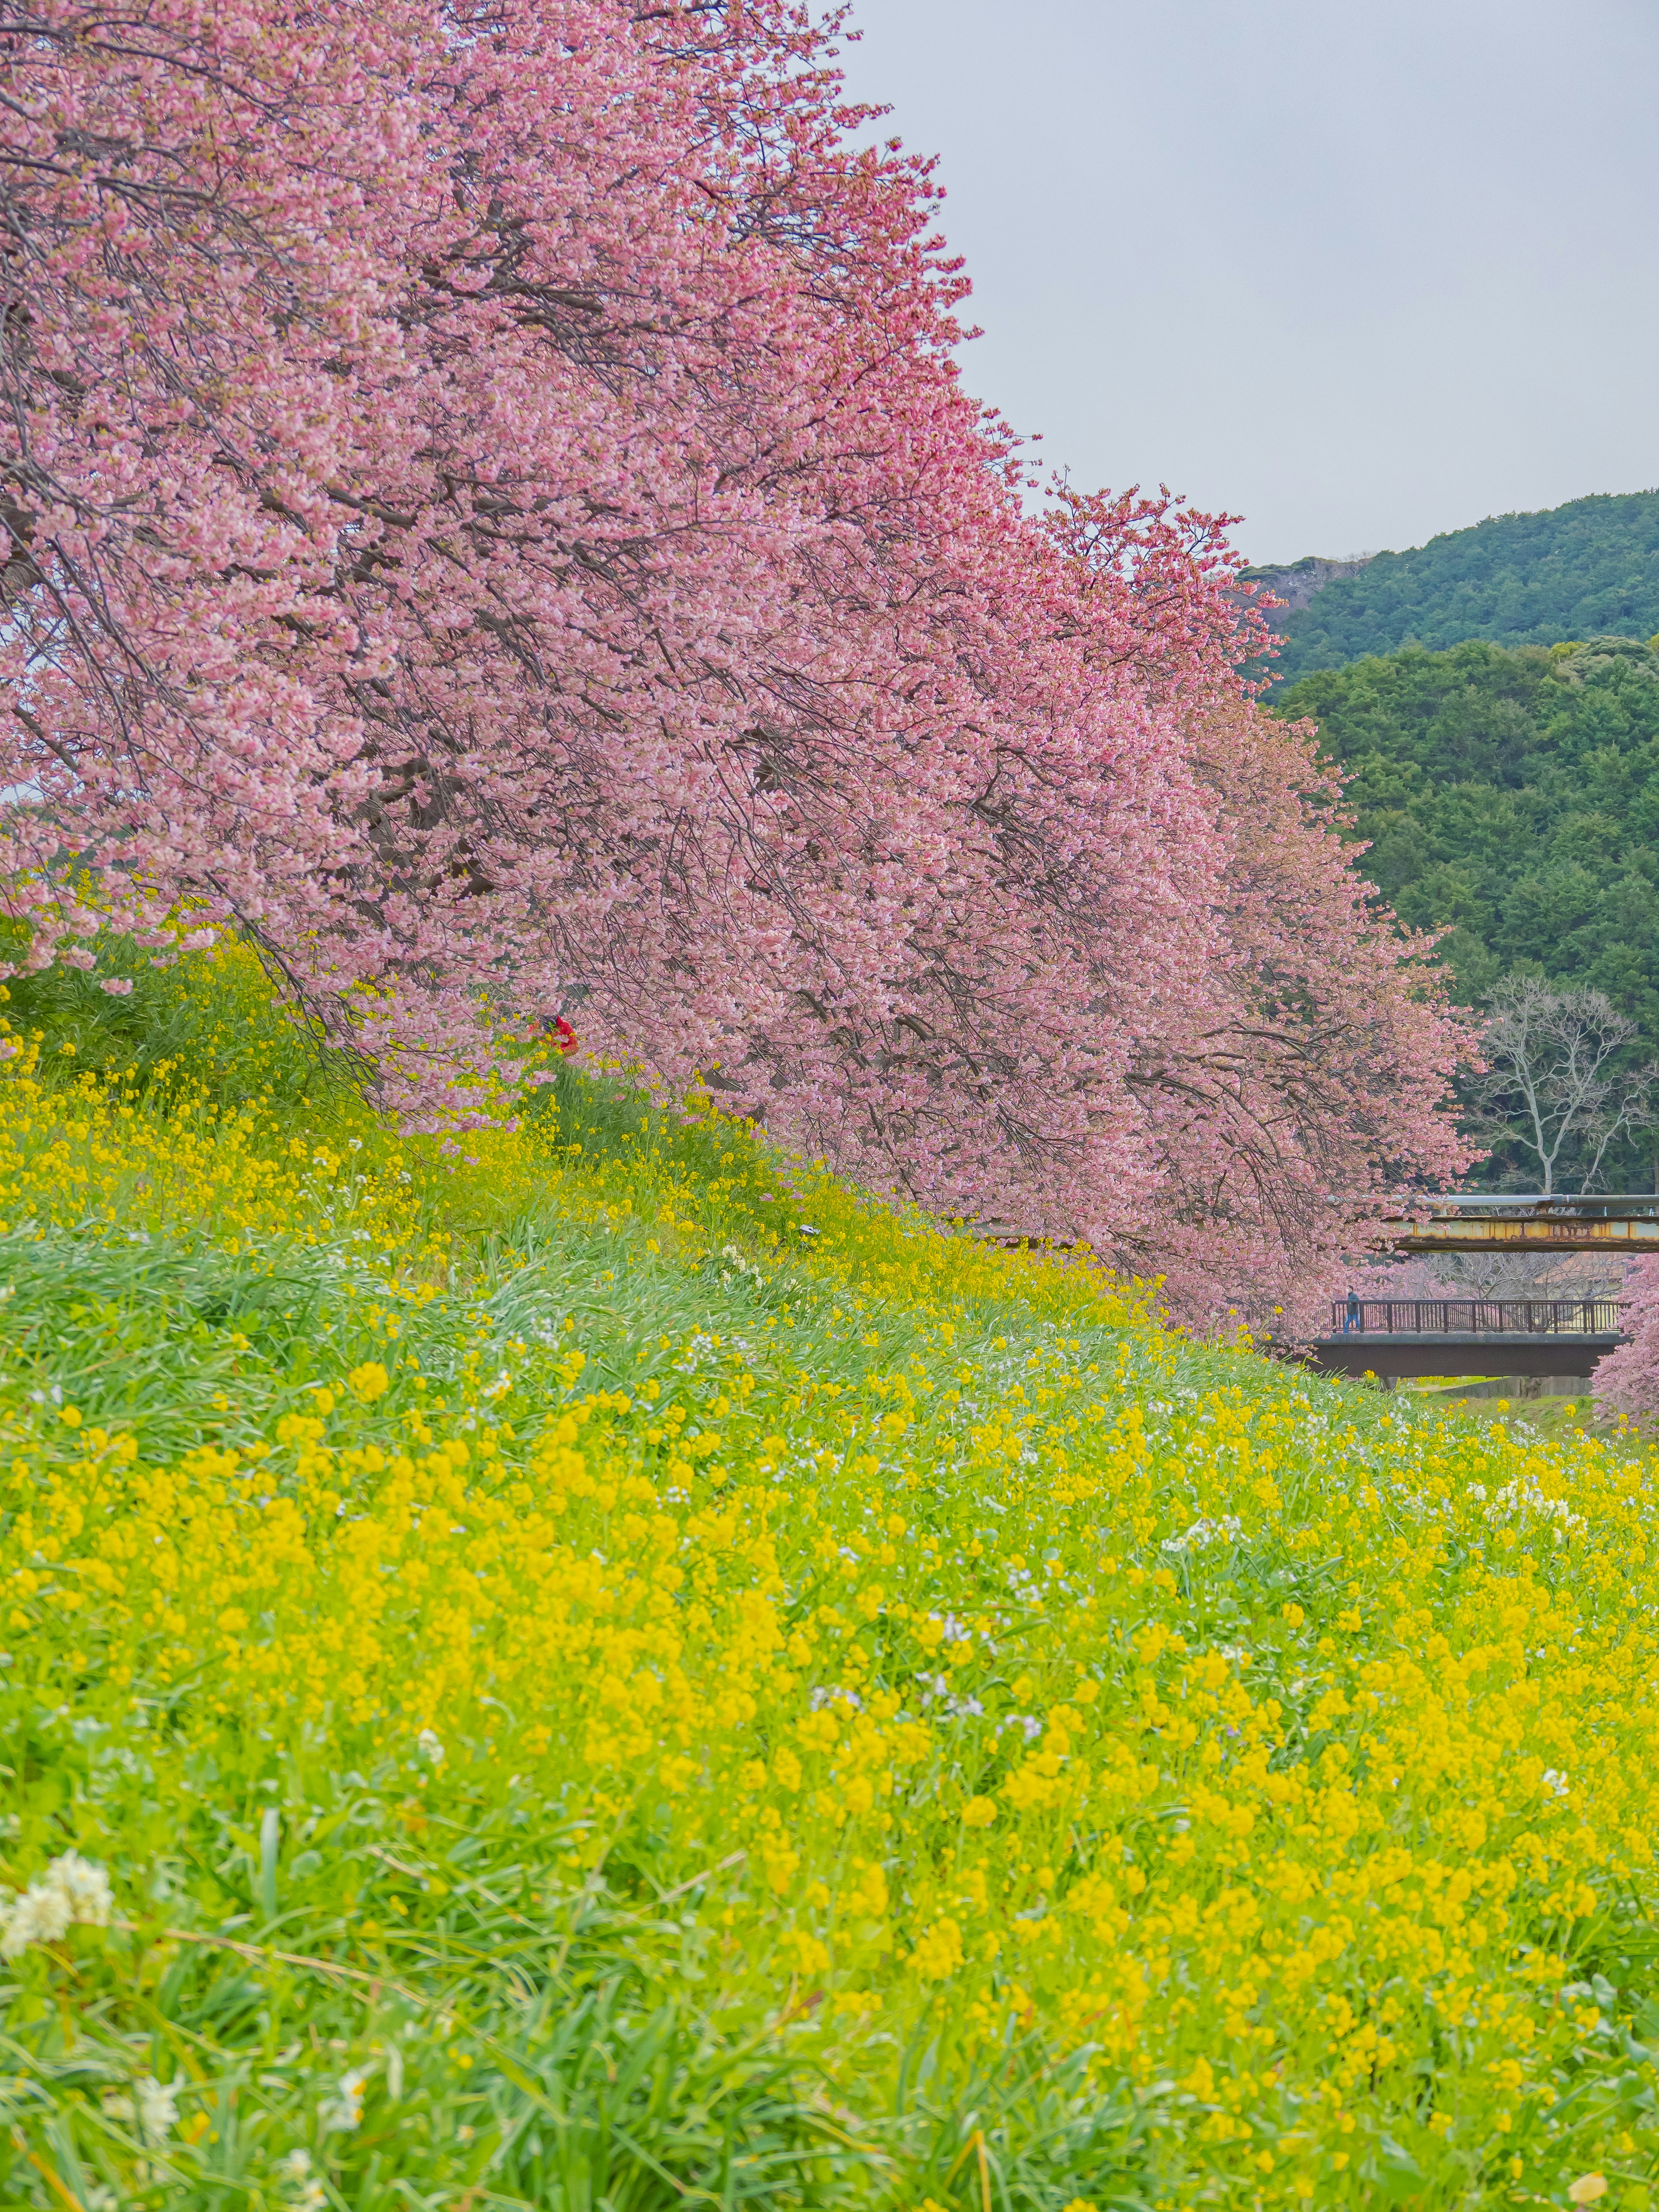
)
(1627, 1380)
(492, 516)
(1310, 1073)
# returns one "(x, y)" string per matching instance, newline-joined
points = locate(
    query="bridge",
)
(1619, 1228)
(1398, 1337)
(1466, 1336)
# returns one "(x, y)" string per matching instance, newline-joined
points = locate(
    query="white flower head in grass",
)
(72, 1890)
(86, 1885)
(345, 2109)
(158, 2106)
(154, 2104)
(1522, 1498)
(296, 2168)
(41, 1915)
(1202, 1533)
(430, 1747)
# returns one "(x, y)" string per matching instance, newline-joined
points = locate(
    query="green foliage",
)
(1580, 570)
(210, 1016)
(1511, 799)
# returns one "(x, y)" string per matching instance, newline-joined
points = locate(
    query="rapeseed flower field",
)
(597, 1668)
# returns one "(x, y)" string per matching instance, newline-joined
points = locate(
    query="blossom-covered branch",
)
(493, 516)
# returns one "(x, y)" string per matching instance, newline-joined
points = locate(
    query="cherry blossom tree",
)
(1310, 1073)
(1626, 1382)
(493, 517)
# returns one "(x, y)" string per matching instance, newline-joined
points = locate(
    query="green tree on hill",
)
(1511, 799)
(1582, 570)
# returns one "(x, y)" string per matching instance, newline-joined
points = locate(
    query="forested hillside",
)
(1511, 799)
(1578, 571)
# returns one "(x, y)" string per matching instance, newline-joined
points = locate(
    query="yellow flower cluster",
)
(85, 1152)
(989, 1670)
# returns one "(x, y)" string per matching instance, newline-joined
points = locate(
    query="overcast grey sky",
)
(1361, 272)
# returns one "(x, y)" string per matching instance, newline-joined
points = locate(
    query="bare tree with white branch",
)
(1554, 1086)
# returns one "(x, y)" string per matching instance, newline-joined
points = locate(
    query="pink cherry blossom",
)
(495, 520)
(1626, 1382)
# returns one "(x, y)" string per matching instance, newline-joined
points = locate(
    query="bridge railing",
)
(1474, 1316)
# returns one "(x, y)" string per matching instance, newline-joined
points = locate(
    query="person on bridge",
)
(1350, 1313)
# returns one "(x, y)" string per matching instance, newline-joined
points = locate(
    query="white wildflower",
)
(71, 1890)
(345, 2109)
(86, 1886)
(834, 1694)
(154, 2105)
(297, 2166)
(1523, 1496)
(1202, 1533)
(158, 2106)
(41, 1915)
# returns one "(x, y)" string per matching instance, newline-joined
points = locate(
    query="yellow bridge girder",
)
(1622, 1227)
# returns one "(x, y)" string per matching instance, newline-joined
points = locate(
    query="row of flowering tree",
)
(493, 517)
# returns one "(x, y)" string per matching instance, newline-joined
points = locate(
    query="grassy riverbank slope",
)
(608, 1669)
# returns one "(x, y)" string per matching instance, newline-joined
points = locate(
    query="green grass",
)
(375, 1970)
